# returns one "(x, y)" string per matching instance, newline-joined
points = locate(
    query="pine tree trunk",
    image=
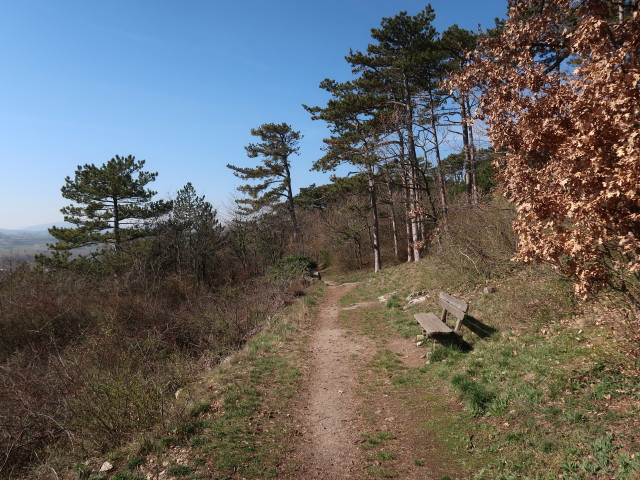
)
(290, 203)
(407, 207)
(116, 223)
(475, 193)
(466, 150)
(406, 185)
(392, 215)
(416, 217)
(377, 266)
(440, 173)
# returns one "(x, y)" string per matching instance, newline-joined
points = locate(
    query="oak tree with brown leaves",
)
(561, 95)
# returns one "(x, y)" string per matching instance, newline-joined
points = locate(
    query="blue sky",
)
(177, 83)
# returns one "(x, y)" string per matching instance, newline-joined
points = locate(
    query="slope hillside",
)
(337, 387)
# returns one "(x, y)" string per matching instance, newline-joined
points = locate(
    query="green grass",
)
(247, 433)
(180, 470)
(477, 398)
(542, 397)
(135, 462)
(537, 392)
(394, 302)
(371, 440)
(128, 476)
(380, 454)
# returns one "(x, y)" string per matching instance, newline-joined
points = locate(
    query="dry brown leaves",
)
(572, 134)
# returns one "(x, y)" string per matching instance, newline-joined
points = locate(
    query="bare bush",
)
(87, 362)
(479, 240)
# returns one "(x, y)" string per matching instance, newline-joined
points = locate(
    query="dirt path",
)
(353, 421)
(330, 424)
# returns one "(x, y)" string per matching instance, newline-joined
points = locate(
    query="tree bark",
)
(440, 173)
(116, 223)
(377, 264)
(413, 175)
(466, 150)
(392, 215)
(475, 193)
(290, 202)
(407, 206)
(406, 185)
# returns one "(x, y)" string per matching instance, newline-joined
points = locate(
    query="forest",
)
(484, 150)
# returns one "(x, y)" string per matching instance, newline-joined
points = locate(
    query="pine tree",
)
(458, 43)
(111, 205)
(190, 237)
(278, 143)
(399, 68)
(355, 139)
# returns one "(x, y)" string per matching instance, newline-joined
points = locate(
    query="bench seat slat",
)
(431, 323)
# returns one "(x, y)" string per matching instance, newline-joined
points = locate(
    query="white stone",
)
(384, 298)
(413, 295)
(415, 301)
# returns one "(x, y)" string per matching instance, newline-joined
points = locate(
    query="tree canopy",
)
(559, 86)
(190, 237)
(111, 205)
(278, 143)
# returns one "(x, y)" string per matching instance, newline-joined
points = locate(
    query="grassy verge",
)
(236, 422)
(553, 393)
(412, 427)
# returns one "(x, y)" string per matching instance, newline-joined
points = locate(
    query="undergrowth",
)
(237, 425)
(88, 364)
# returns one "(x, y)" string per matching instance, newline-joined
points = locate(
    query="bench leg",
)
(457, 327)
(431, 349)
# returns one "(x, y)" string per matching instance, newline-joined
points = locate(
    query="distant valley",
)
(22, 244)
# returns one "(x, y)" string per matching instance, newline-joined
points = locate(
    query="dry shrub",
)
(37, 309)
(478, 240)
(88, 362)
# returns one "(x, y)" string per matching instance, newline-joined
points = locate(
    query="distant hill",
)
(23, 244)
(42, 229)
(26, 242)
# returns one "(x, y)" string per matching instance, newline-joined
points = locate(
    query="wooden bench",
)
(432, 325)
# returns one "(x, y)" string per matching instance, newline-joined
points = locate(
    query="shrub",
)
(89, 361)
(292, 267)
(478, 241)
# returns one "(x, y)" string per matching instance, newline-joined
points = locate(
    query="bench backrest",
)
(458, 308)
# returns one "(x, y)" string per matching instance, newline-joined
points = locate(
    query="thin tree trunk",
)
(440, 173)
(475, 193)
(620, 13)
(290, 202)
(416, 216)
(466, 150)
(392, 215)
(407, 206)
(377, 264)
(406, 184)
(116, 223)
